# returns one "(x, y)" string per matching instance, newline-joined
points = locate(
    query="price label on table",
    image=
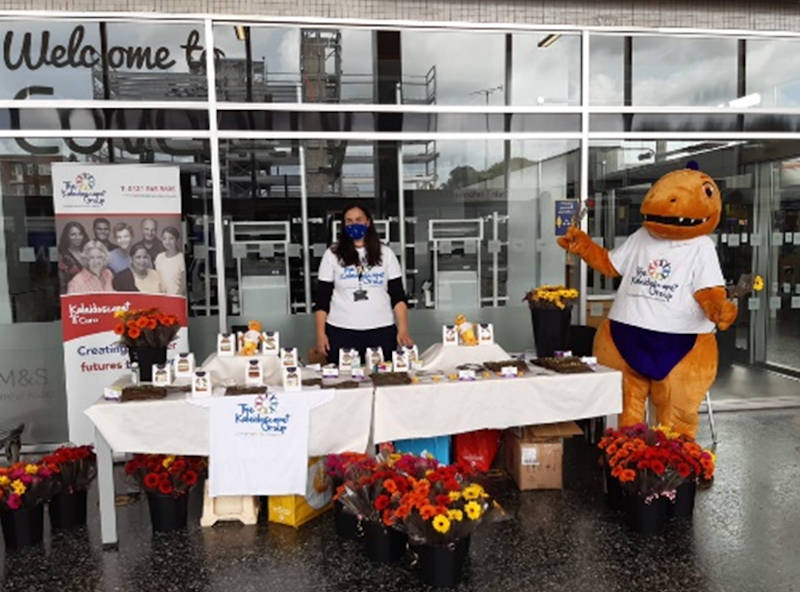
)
(466, 375)
(508, 371)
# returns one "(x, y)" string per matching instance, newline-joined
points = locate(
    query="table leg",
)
(105, 486)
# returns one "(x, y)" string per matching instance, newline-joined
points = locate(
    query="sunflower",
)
(454, 495)
(441, 524)
(473, 510)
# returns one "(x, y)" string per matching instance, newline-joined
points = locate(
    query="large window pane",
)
(483, 218)
(546, 69)
(772, 72)
(267, 64)
(453, 68)
(686, 71)
(94, 60)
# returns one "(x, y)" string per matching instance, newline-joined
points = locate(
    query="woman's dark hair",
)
(139, 247)
(173, 231)
(63, 242)
(345, 249)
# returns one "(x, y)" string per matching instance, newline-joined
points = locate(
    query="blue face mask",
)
(356, 231)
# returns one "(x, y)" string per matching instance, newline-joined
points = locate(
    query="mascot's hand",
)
(719, 310)
(575, 241)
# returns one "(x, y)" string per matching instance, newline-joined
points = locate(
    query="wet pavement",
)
(743, 537)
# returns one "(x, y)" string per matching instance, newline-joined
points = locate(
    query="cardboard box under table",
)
(534, 454)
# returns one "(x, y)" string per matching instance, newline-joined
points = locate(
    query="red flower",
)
(684, 470)
(178, 466)
(190, 478)
(152, 324)
(452, 485)
(141, 322)
(151, 481)
(658, 467)
(134, 333)
(119, 329)
(443, 500)
(382, 502)
(165, 487)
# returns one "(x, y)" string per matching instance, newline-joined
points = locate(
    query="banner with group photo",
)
(120, 248)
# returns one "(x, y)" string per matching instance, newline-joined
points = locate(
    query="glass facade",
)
(461, 142)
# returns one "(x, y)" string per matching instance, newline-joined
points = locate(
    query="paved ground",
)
(743, 537)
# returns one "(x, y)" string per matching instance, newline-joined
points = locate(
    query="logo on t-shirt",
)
(262, 412)
(659, 269)
(653, 281)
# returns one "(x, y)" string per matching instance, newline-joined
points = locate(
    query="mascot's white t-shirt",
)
(659, 279)
(374, 308)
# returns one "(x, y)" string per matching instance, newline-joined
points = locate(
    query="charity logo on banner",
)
(120, 248)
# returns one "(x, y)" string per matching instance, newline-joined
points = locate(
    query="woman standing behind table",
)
(360, 286)
(70, 247)
(170, 265)
(120, 258)
(140, 276)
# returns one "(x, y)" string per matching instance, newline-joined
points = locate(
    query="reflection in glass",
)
(686, 71)
(772, 72)
(545, 73)
(606, 70)
(267, 64)
(449, 68)
(483, 230)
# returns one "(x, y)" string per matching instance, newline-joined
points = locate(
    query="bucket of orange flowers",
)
(74, 469)
(167, 481)
(24, 488)
(440, 512)
(657, 471)
(146, 333)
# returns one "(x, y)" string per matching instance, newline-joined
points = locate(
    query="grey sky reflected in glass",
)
(545, 75)
(606, 70)
(683, 71)
(466, 63)
(773, 71)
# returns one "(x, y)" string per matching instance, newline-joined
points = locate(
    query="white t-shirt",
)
(172, 271)
(659, 279)
(251, 432)
(346, 311)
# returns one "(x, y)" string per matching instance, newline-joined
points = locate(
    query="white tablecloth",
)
(447, 357)
(176, 425)
(424, 410)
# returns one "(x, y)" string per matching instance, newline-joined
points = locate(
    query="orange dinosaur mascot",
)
(659, 331)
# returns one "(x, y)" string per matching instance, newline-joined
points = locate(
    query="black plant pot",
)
(146, 357)
(683, 507)
(646, 518)
(382, 544)
(22, 527)
(442, 565)
(614, 494)
(346, 522)
(166, 512)
(68, 510)
(550, 330)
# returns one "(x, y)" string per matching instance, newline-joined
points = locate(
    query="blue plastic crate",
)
(438, 446)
